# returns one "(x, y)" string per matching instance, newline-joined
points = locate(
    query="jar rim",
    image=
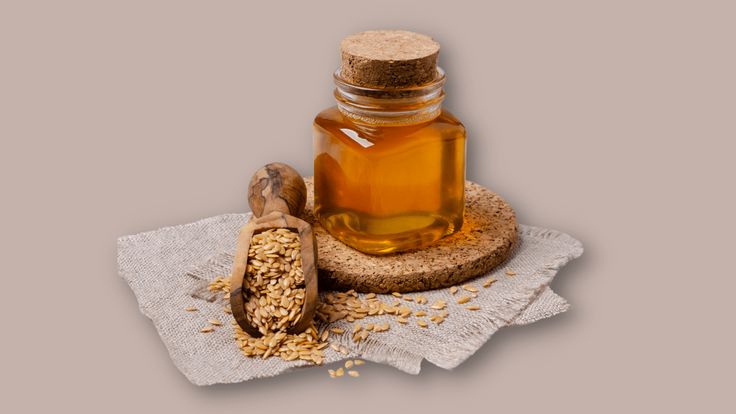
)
(413, 90)
(390, 106)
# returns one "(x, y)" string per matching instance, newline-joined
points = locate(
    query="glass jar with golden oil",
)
(389, 163)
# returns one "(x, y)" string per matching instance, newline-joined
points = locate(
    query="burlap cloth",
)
(169, 270)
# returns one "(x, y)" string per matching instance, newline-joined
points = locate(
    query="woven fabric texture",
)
(169, 270)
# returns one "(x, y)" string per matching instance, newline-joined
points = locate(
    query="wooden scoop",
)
(276, 195)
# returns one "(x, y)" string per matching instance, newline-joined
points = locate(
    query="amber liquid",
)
(383, 189)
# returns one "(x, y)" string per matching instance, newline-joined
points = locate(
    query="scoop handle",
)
(277, 187)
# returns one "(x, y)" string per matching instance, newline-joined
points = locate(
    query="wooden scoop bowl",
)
(276, 195)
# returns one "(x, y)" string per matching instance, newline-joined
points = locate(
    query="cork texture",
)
(388, 59)
(487, 239)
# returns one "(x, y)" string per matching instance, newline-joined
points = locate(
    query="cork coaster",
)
(486, 239)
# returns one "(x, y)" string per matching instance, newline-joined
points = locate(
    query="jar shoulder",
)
(450, 118)
(331, 117)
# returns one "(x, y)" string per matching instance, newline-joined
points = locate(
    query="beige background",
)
(613, 121)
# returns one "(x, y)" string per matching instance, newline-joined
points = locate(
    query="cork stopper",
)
(388, 59)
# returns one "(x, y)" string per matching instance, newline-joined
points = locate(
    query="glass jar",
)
(389, 167)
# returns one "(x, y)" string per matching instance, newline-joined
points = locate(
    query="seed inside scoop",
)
(274, 286)
(274, 280)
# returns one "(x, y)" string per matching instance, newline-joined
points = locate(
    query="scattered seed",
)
(215, 322)
(422, 323)
(191, 309)
(470, 288)
(510, 273)
(420, 313)
(489, 282)
(337, 331)
(349, 364)
(396, 294)
(359, 362)
(453, 290)
(207, 329)
(220, 283)
(464, 299)
(472, 307)
(437, 319)
(354, 374)
(339, 372)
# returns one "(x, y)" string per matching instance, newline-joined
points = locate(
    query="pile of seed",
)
(269, 269)
(308, 345)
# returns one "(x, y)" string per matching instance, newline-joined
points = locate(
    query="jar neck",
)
(390, 106)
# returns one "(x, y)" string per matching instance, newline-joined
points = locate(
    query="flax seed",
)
(489, 282)
(440, 304)
(464, 299)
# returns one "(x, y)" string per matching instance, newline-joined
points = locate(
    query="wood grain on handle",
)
(277, 187)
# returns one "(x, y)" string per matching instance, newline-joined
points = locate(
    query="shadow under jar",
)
(389, 166)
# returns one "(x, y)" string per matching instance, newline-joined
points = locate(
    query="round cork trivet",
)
(388, 59)
(487, 238)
